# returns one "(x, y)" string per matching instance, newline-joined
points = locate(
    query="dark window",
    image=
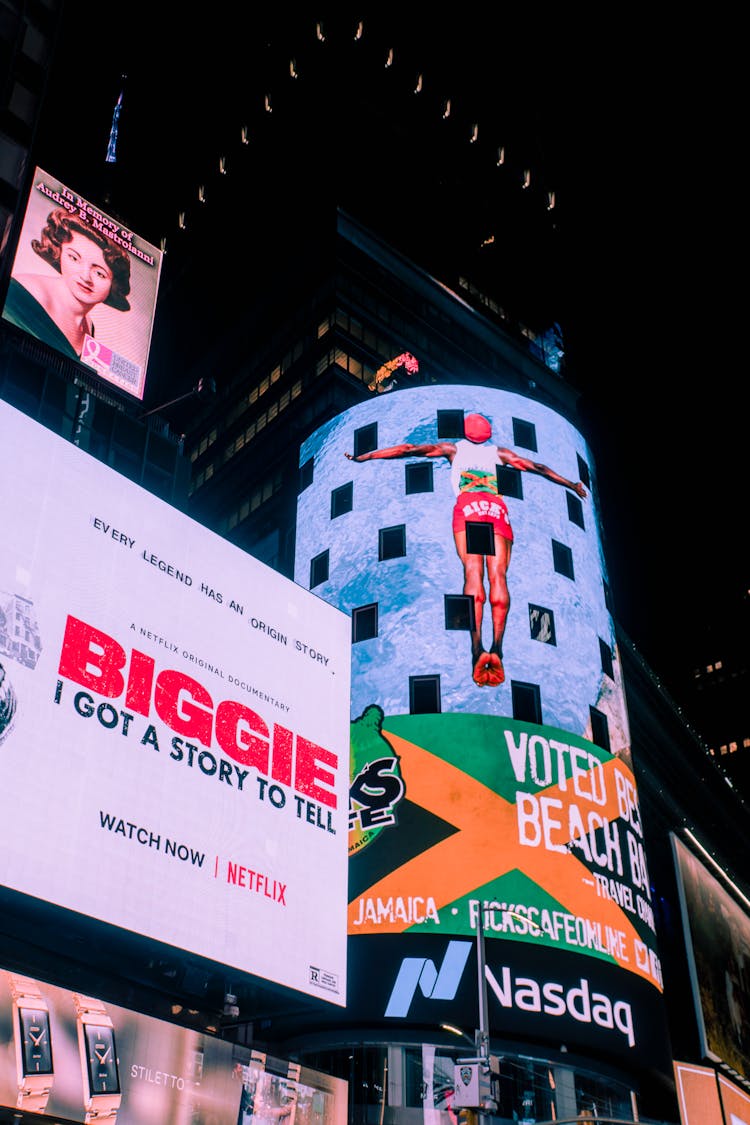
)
(161, 452)
(509, 482)
(24, 385)
(342, 500)
(583, 471)
(306, 474)
(450, 425)
(128, 447)
(480, 538)
(365, 622)
(526, 701)
(599, 728)
(608, 597)
(99, 436)
(606, 655)
(562, 558)
(542, 624)
(424, 695)
(366, 439)
(392, 542)
(459, 611)
(524, 434)
(318, 569)
(57, 411)
(418, 477)
(575, 509)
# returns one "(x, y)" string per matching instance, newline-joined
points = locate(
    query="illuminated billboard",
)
(717, 931)
(84, 284)
(708, 1098)
(65, 1054)
(274, 1089)
(73, 1056)
(179, 711)
(491, 770)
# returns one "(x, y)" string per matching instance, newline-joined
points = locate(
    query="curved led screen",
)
(491, 770)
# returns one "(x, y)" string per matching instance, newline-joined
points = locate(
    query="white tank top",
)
(474, 468)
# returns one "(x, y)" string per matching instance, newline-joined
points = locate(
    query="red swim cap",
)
(477, 428)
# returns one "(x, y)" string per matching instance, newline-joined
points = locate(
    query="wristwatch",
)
(33, 1044)
(99, 1063)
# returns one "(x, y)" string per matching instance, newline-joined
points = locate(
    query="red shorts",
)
(482, 507)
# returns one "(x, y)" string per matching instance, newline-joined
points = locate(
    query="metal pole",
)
(483, 1038)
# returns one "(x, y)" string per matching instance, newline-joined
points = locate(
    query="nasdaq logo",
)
(435, 984)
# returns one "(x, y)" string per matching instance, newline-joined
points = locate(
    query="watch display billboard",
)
(84, 284)
(717, 930)
(179, 711)
(67, 1055)
(74, 1056)
(492, 779)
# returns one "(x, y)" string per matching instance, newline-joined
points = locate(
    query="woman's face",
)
(84, 270)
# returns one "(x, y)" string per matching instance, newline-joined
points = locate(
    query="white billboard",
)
(174, 724)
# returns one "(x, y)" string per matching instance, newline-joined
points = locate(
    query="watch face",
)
(35, 1037)
(102, 1059)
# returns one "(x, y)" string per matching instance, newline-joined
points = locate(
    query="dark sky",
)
(630, 120)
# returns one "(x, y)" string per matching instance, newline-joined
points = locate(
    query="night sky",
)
(627, 123)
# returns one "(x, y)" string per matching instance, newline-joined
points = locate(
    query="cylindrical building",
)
(493, 809)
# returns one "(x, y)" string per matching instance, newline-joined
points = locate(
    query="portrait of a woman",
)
(88, 270)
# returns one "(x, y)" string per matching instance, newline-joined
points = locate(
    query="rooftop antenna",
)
(111, 157)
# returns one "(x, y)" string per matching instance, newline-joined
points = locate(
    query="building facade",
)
(536, 836)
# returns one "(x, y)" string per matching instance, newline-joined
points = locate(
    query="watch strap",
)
(99, 1107)
(33, 1090)
(27, 991)
(88, 1005)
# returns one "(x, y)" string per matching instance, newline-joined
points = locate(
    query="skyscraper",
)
(503, 820)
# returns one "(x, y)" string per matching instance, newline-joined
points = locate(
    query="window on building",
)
(128, 447)
(207, 440)
(599, 728)
(608, 597)
(526, 701)
(583, 471)
(424, 695)
(542, 624)
(365, 622)
(562, 559)
(509, 482)
(459, 611)
(524, 434)
(342, 500)
(450, 425)
(607, 663)
(392, 542)
(306, 474)
(480, 538)
(418, 477)
(260, 494)
(575, 509)
(319, 569)
(366, 439)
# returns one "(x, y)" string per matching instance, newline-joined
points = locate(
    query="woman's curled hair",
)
(59, 229)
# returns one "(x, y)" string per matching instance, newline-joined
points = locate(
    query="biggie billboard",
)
(84, 284)
(491, 770)
(174, 722)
